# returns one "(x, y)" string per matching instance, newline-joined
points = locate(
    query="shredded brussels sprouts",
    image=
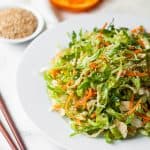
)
(101, 82)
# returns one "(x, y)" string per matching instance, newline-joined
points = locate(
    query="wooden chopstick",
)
(7, 137)
(11, 124)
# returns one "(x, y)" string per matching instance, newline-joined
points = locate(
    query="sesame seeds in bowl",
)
(19, 24)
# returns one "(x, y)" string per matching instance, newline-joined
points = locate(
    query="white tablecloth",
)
(10, 56)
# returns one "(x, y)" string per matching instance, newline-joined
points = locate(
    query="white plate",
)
(39, 28)
(32, 91)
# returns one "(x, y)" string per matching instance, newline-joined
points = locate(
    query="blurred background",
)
(139, 8)
(10, 55)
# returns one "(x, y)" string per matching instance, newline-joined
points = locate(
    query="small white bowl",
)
(39, 28)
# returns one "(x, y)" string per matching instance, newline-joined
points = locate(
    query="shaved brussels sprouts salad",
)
(100, 82)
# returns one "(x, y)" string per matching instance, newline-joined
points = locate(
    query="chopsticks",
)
(7, 137)
(12, 127)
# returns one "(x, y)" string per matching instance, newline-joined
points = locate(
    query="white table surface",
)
(10, 55)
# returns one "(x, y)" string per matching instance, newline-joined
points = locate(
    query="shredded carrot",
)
(78, 121)
(129, 55)
(100, 37)
(138, 29)
(93, 115)
(64, 87)
(102, 41)
(131, 102)
(106, 43)
(104, 26)
(133, 109)
(135, 73)
(145, 121)
(141, 43)
(56, 107)
(144, 117)
(137, 51)
(88, 94)
(54, 72)
(70, 82)
(93, 65)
